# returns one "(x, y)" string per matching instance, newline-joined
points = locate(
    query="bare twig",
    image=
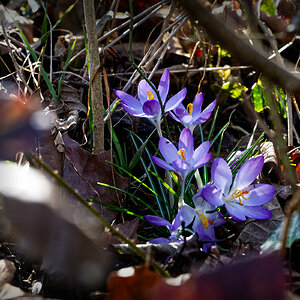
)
(241, 49)
(14, 61)
(96, 84)
(146, 12)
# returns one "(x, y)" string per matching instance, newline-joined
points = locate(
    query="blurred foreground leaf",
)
(37, 220)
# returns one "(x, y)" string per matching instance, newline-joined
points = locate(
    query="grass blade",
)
(65, 67)
(130, 195)
(43, 72)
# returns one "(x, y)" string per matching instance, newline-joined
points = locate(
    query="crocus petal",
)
(236, 211)
(201, 204)
(197, 105)
(201, 151)
(133, 111)
(181, 166)
(248, 172)
(202, 119)
(211, 194)
(129, 100)
(173, 116)
(164, 85)
(155, 220)
(221, 175)
(186, 142)
(187, 214)
(168, 150)
(183, 115)
(143, 88)
(159, 241)
(174, 101)
(218, 219)
(203, 161)
(161, 163)
(203, 233)
(259, 194)
(210, 107)
(151, 108)
(257, 212)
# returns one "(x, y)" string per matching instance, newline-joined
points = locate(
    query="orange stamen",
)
(181, 154)
(150, 95)
(241, 194)
(204, 219)
(190, 108)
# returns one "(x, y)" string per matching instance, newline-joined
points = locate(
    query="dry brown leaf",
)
(82, 170)
(10, 17)
(258, 231)
(132, 283)
(128, 228)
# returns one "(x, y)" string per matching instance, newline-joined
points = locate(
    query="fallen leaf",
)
(82, 170)
(258, 231)
(8, 291)
(10, 17)
(128, 228)
(38, 221)
(259, 279)
(132, 283)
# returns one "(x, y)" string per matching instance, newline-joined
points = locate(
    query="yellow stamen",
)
(181, 154)
(190, 108)
(205, 221)
(241, 194)
(150, 95)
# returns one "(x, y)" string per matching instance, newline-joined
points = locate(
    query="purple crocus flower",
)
(192, 116)
(148, 105)
(241, 198)
(174, 228)
(184, 159)
(204, 222)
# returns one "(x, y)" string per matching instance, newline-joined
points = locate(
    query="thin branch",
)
(14, 60)
(240, 48)
(95, 80)
(146, 12)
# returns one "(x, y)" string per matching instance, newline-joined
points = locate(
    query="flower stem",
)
(181, 197)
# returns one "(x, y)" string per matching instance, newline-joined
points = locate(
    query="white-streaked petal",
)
(221, 175)
(145, 92)
(186, 141)
(212, 195)
(168, 150)
(164, 85)
(161, 163)
(197, 105)
(258, 194)
(248, 172)
(174, 101)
